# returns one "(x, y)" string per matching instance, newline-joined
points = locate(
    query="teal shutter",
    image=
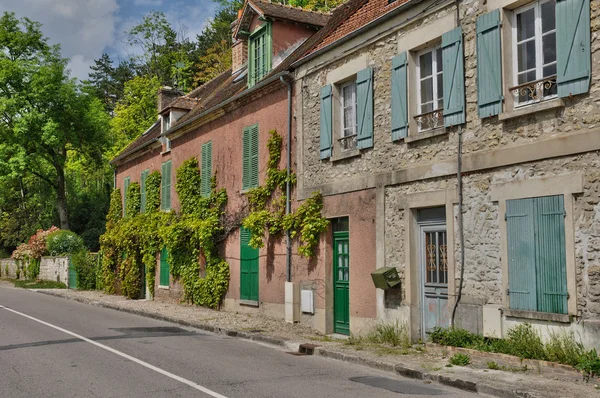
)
(143, 194)
(206, 172)
(399, 97)
(326, 122)
(550, 254)
(489, 65)
(364, 102)
(126, 183)
(164, 268)
(165, 191)
(573, 59)
(454, 77)
(521, 254)
(246, 158)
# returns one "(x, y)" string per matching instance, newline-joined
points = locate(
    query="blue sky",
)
(87, 28)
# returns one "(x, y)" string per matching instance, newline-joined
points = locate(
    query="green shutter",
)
(126, 183)
(520, 232)
(489, 65)
(164, 267)
(573, 59)
(250, 157)
(165, 191)
(206, 172)
(143, 194)
(454, 77)
(326, 122)
(399, 97)
(249, 283)
(364, 102)
(550, 254)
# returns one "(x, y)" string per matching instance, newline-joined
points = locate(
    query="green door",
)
(341, 291)
(72, 276)
(248, 268)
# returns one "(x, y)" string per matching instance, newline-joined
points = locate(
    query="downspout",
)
(114, 177)
(461, 232)
(288, 254)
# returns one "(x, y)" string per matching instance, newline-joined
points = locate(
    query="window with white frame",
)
(430, 89)
(166, 122)
(534, 52)
(348, 114)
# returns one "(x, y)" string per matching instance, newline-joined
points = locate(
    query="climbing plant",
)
(267, 207)
(134, 200)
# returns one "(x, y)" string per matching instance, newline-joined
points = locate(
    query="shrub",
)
(562, 347)
(64, 242)
(589, 364)
(455, 337)
(86, 266)
(33, 268)
(460, 359)
(526, 342)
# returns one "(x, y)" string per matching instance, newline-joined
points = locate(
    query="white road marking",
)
(121, 354)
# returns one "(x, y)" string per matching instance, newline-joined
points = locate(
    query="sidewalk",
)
(428, 366)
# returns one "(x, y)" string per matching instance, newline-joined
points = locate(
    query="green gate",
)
(72, 275)
(341, 270)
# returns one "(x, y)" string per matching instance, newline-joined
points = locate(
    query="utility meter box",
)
(385, 278)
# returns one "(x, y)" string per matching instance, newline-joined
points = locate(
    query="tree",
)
(107, 82)
(43, 112)
(216, 61)
(135, 113)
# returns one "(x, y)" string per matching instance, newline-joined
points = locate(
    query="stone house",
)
(457, 142)
(225, 124)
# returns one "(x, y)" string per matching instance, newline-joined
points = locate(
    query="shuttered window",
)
(454, 77)
(399, 97)
(536, 254)
(165, 189)
(206, 166)
(326, 122)
(143, 194)
(126, 183)
(250, 157)
(489, 65)
(165, 269)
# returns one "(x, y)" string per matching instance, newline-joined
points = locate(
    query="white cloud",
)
(148, 3)
(83, 28)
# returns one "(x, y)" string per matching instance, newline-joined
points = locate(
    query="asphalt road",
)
(52, 347)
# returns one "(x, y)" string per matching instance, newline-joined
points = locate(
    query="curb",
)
(399, 369)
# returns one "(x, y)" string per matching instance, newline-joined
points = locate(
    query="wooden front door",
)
(341, 277)
(434, 277)
(248, 268)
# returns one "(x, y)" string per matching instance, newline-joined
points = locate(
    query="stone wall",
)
(12, 268)
(55, 269)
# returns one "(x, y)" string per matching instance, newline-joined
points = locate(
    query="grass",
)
(33, 284)
(460, 359)
(387, 338)
(493, 365)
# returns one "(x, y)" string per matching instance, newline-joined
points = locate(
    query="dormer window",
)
(166, 121)
(260, 52)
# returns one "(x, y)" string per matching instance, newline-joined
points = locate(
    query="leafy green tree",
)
(108, 82)
(135, 113)
(216, 61)
(43, 113)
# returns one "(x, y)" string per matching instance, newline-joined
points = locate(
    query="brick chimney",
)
(239, 48)
(166, 96)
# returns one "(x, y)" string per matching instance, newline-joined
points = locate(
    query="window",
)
(166, 122)
(165, 186)
(534, 46)
(536, 254)
(259, 57)
(430, 89)
(143, 194)
(126, 183)
(349, 116)
(206, 172)
(164, 268)
(250, 158)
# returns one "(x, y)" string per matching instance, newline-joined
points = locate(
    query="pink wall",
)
(284, 34)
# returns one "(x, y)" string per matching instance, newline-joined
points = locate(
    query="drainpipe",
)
(288, 254)
(461, 232)
(114, 177)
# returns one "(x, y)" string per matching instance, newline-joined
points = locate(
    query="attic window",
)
(259, 53)
(166, 122)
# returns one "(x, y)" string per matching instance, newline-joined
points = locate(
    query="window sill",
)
(531, 109)
(425, 135)
(163, 153)
(346, 155)
(540, 316)
(249, 303)
(164, 287)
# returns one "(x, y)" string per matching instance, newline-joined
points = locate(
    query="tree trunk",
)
(61, 201)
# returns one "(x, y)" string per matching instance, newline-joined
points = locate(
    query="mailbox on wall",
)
(386, 278)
